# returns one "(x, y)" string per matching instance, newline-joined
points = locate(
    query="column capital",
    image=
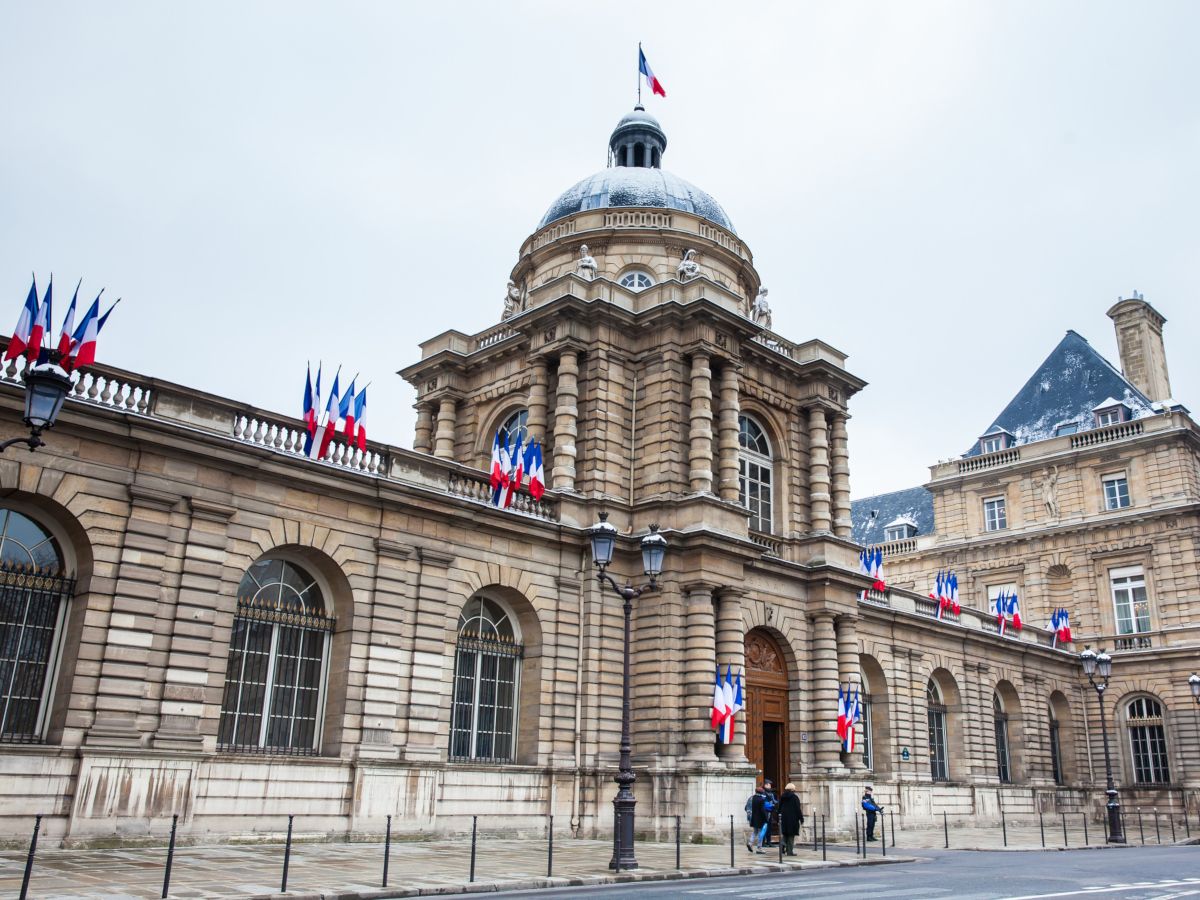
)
(699, 587)
(732, 592)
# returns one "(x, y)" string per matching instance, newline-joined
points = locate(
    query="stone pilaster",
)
(700, 456)
(731, 651)
(699, 668)
(389, 659)
(840, 453)
(123, 703)
(537, 403)
(849, 675)
(825, 690)
(423, 434)
(818, 471)
(566, 427)
(429, 686)
(191, 675)
(447, 419)
(727, 439)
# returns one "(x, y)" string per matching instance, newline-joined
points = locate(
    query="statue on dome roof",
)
(688, 267)
(760, 312)
(587, 266)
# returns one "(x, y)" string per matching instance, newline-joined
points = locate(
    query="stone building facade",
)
(199, 620)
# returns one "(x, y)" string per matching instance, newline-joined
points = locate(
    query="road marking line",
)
(1103, 890)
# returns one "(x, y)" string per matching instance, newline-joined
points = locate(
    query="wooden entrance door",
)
(767, 742)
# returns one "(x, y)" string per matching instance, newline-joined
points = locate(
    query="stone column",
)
(423, 435)
(699, 668)
(847, 657)
(841, 477)
(389, 658)
(536, 405)
(727, 442)
(446, 421)
(566, 427)
(700, 456)
(731, 651)
(818, 470)
(429, 687)
(825, 685)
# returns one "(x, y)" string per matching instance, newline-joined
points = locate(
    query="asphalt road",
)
(1132, 873)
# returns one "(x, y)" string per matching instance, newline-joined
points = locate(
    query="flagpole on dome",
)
(639, 75)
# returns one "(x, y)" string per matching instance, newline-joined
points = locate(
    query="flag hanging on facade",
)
(41, 325)
(310, 411)
(537, 475)
(517, 473)
(841, 717)
(20, 336)
(330, 420)
(346, 411)
(718, 703)
(852, 717)
(68, 325)
(360, 410)
(733, 705)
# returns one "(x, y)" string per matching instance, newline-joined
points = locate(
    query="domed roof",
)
(623, 186)
(638, 117)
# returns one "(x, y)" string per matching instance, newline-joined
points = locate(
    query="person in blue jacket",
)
(873, 809)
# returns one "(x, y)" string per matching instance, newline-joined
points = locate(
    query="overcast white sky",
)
(938, 189)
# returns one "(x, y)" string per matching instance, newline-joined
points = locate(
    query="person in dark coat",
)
(772, 803)
(791, 817)
(872, 809)
(760, 817)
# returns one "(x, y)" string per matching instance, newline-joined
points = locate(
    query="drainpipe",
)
(579, 688)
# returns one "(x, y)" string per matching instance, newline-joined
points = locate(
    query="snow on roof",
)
(868, 514)
(1109, 402)
(1064, 390)
(902, 520)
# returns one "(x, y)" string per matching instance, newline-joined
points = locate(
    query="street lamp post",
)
(1101, 663)
(654, 546)
(46, 387)
(1194, 684)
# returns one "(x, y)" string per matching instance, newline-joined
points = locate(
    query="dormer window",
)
(1108, 417)
(1066, 428)
(636, 280)
(992, 444)
(899, 529)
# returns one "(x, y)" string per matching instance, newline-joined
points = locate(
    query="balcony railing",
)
(1106, 435)
(1134, 642)
(771, 546)
(990, 460)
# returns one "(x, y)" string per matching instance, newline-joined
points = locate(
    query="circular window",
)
(636, 280)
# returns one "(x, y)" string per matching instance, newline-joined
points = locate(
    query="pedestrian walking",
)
(758, 817)
(791, 817)
(873, 809)
(772, 810)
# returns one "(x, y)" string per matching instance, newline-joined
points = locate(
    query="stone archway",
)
(767, 740)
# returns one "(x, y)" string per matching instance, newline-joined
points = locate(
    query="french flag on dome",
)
(651, 82)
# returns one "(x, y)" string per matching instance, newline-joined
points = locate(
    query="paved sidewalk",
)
(1050, 835)
(356, 869)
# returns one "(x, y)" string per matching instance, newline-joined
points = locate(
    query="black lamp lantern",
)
(46, 387)
(1194, 684)
(603, 536)
(654, 548)
(1088, 658)
(1104, 664)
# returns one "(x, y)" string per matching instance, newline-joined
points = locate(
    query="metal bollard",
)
(170, 857)
(387, 849)
(883, 833)
(1141, 831)
(474, 832)
(287, 856)
(1186, 823)
(1172, 818)
(1004, 825)
(864, 818)
(550, 848)
(780, 843)
(815, 828)
(1041, 826)
(1085, 834)
(857, 838)
(1157, 831)
(824, 846)
(731, 842)
(1066, 843)
(946, 829)
(677, 852)
(892, 828)
(37, 826)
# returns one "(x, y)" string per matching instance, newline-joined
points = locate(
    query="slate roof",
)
(914, 503)
(1066, 388)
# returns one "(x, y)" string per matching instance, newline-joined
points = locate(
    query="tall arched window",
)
(277, 659)
(754, 474)
(1000, 724)
(936, 713)
(867, 744)
(1055, 748)
(514, 428)
(1147, 741)
(33, 598)
(487, 670)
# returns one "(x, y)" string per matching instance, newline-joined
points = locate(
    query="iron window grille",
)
(1056, 751)
(1000, 724)
(487, 673)
(1147, 741)
(936, 713)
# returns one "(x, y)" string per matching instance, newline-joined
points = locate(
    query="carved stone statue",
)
(512, 301)
(688, 267)
(1050, 492)
(587, 266)
(760, 312)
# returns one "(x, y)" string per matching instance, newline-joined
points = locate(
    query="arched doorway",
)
(767, 707)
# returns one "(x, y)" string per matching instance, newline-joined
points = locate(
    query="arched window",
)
(33, 598)
(1000, 724)
(636, 280)
(278, 654)
(487, 670)
(754, 474)
(868, 759)
(515, 427)
(1147, 741)
(1055, 748)
(936, 713)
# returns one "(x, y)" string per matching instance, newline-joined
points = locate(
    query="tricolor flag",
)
(360, 410)
(83, 346)
(843, 712)
(537, 477)
(937, 595)
(41, 325)
(505, 470)
(329, 422)
(497, 469)
(346, 411)
(20, 336)
(1014, 609)
(517, 473)
(853, 715)
(719, 710)
(310, 410)
(1001, 610)
(733, 700)
(877, 570)
(68, 326)
(954, 607)
(644, 68)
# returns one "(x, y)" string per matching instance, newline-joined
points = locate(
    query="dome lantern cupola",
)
(638, 141)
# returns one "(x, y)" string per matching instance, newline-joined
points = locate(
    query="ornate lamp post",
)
(1194, 684)
(1092, 663)
(46, 387)
(654, 547)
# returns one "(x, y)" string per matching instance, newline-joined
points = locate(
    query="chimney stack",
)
(1140, 342)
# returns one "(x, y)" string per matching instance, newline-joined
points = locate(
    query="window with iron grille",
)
(1055, 750)
(1147, 741)
(754, 474)
(33, 599)
(1000, 725)
(278, 655)
(487, 670)
(936, 713)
